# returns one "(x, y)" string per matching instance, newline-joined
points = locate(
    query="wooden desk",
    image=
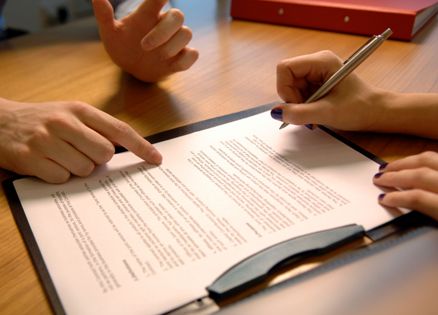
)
(236, 71)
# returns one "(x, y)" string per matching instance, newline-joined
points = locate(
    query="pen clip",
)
(360, 48)
(371, 42)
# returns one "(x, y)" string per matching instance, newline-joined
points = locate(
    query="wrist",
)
(408, 113)
(376, 107)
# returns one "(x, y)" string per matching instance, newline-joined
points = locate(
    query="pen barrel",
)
(349, 65)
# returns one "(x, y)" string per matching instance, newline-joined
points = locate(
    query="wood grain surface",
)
(236, 71)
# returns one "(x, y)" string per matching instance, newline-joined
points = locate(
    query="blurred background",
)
(18, 17)
(34, 15)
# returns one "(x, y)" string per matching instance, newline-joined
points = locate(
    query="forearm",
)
(409, 113)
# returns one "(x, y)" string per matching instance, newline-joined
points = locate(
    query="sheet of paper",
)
(140, 239)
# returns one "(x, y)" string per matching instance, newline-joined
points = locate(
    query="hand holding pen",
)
(299, 77)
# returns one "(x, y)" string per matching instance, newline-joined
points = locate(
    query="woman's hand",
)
(351, 105)
(416, 178)
(148, 43)
(55, 140)
(355, 105)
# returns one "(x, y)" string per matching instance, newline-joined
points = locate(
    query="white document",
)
(139, 239)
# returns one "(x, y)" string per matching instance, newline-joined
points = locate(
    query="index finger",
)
(120, 133)
(424, 159)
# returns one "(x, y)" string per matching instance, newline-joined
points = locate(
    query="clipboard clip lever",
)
(258, 267)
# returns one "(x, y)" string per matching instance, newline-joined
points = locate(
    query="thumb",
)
(103, 10)
(301, 114)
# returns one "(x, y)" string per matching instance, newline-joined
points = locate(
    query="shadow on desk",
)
(138, 103)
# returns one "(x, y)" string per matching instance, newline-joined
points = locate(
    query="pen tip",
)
(283, 125)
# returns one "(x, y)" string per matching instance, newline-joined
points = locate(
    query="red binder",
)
(365, 17)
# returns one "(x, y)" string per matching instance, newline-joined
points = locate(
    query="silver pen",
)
(348, 66)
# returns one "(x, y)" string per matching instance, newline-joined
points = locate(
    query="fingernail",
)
(378, 175)
(381, 196)
(383, 166)
(277, 113)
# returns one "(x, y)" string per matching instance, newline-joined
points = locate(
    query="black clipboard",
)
(266, 261)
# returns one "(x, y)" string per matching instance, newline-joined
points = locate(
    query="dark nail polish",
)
(383, 166)
(378, 175)
(381, 196)
(277, 113)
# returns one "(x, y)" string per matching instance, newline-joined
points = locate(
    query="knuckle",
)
(282, 65)
(57, 121)
(426, 157)
(185, 61)
(179, 66)
(420, 175)
(186, 33)
(121, 129)
(40, 135)
(55, 177)
(84, 169)
(330, 57)
(327, 53)
(105, 154)
(165, 53)
(78, 107)
(414, 198)
(63, 119)
(176, 15)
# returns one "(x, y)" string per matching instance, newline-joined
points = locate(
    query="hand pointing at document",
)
(56, 140)
(66, 138)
